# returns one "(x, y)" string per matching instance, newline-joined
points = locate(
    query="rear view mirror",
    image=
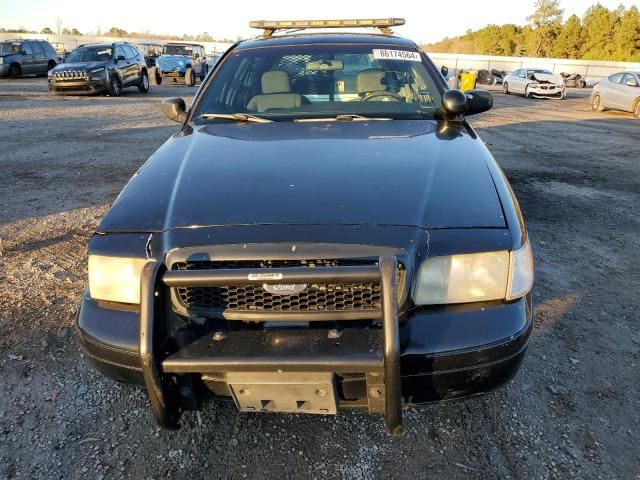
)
(444, 70)
(324, 66)
(175, 109)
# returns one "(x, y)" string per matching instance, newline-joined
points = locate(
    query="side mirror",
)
(119, 57)
(632, 83)
(444, 70)
(175, 109)
(478, 101)
(455, 102)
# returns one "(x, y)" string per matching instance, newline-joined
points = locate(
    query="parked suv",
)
(151, 51)
(180, 61)
(26, 57)
(100, 68)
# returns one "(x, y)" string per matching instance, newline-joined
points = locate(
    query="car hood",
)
(79, 66)
(172, 61)
(549, 78)
(412, 173)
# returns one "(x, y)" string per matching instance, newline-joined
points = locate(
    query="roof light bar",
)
(384, 24)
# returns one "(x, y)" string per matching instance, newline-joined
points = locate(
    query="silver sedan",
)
(620, 91)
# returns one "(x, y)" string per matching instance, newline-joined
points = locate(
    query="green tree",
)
(602, 34)
(204, 37)
(75, 31)
(47, 31)
(599, 32)
(546, 21)
(116, 32)
(569, 42)
(627, 36)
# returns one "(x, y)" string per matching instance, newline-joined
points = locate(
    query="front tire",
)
(527, 93)
(115, 87)
(189, 77)
(596, 103)
(143, 86)
(505, 88)
(15, 71)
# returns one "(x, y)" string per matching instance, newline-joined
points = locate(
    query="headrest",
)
(275, 81)
(370, 80)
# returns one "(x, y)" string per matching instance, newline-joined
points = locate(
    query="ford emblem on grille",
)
(291, 289)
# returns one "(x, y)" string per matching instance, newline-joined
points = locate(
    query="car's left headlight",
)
(474, 277)
(115, 279)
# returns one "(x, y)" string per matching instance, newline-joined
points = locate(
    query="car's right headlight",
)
(115, 279)
(97, 73)
(474, 277)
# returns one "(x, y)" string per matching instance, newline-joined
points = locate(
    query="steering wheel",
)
(393, 96)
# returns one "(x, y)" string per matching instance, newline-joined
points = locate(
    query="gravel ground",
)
(568, 414)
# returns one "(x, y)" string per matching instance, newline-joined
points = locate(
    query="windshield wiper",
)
(342, 117)
(238, 117)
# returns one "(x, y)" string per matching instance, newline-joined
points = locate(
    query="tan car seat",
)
(276, 93)
(370, 81)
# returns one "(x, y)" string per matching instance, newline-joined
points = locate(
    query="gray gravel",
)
(572, 412)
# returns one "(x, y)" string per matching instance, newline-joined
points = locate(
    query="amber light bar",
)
(383, 24)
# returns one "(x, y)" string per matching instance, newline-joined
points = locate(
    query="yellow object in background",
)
(468, 81)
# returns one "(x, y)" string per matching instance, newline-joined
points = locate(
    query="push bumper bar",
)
(194, 358)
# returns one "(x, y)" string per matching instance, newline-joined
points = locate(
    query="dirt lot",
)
(568, 414)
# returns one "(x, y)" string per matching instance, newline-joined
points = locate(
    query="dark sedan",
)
(325, 230)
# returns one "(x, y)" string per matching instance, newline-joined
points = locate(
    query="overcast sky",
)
(427, 21)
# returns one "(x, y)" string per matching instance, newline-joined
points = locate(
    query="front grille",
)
(329, 297)
(70, 75)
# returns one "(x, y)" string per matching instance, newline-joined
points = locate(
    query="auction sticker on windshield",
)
(379, 54)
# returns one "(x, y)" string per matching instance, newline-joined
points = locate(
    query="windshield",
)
(8, 47)
(149, 50)
(184, 50)
(90, 54)
(307, 81)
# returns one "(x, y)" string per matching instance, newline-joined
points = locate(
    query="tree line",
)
(601, 34)
(121, 33)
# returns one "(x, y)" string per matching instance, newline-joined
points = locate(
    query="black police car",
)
(325, 230)
(100, 68)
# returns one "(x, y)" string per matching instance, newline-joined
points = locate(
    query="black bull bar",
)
(164, 403)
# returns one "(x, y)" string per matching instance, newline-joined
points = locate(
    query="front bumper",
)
(432, 354)
(547, 91)
(78, 87)
(171, 73)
